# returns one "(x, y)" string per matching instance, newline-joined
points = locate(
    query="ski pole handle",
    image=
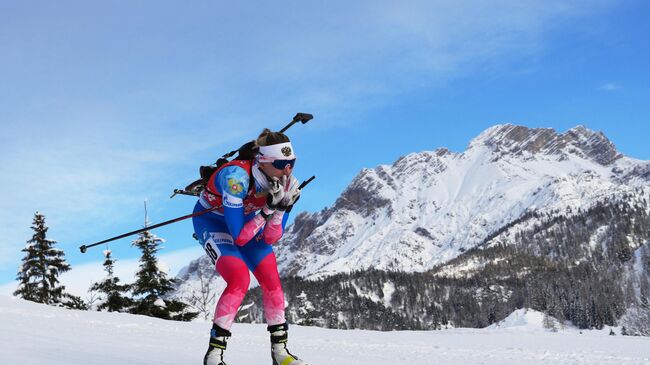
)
(304, 183)
(300, 117)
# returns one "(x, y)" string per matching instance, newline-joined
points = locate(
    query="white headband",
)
(281, 151)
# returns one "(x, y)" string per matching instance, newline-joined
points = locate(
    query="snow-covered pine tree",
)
(40, 268)
(305, 308)
(152, 285)
(113, 293)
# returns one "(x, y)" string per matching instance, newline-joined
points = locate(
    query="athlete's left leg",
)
(267, 275)
(260, 259)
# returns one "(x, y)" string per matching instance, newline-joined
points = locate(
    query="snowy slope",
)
(429, 207)
(34, 334)
(528, 320)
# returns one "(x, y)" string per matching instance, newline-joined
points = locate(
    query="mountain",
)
(524, 217)
(427, 208)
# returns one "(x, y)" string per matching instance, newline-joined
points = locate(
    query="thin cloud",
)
(610, 86)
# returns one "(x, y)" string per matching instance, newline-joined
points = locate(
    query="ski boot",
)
(279, 352)
(217, 346)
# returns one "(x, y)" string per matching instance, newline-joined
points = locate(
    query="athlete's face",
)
(272, 171)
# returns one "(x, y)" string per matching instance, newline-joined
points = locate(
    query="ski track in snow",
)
(38, 334)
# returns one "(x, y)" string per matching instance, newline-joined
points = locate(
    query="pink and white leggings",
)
(233, 263)
(235, 273)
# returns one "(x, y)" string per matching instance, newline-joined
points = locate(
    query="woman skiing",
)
(256, 196)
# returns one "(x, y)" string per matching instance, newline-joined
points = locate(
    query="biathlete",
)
(256, 196)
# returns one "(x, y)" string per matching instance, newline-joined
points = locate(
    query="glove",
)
(291, 194)
(276, 192)
(273, 229)
(250, 229)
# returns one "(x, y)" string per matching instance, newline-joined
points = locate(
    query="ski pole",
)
(83, 248)
(299, 117)
(194, 188)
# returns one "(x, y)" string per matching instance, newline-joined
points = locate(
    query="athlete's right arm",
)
(232, 182)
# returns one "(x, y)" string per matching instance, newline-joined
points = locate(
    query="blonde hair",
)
(268, 138)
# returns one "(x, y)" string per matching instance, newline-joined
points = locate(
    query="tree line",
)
(150, 294)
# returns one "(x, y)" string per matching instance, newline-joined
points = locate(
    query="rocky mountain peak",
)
(580, 141)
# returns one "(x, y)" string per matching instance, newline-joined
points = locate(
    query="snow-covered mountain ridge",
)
(429, 207)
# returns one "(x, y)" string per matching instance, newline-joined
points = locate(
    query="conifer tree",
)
(114, 299)
(152, 285)
(305, 308)
(40, 268)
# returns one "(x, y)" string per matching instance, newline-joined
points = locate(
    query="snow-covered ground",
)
(37, 334)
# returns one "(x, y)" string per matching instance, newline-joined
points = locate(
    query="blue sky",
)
(105, 105)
